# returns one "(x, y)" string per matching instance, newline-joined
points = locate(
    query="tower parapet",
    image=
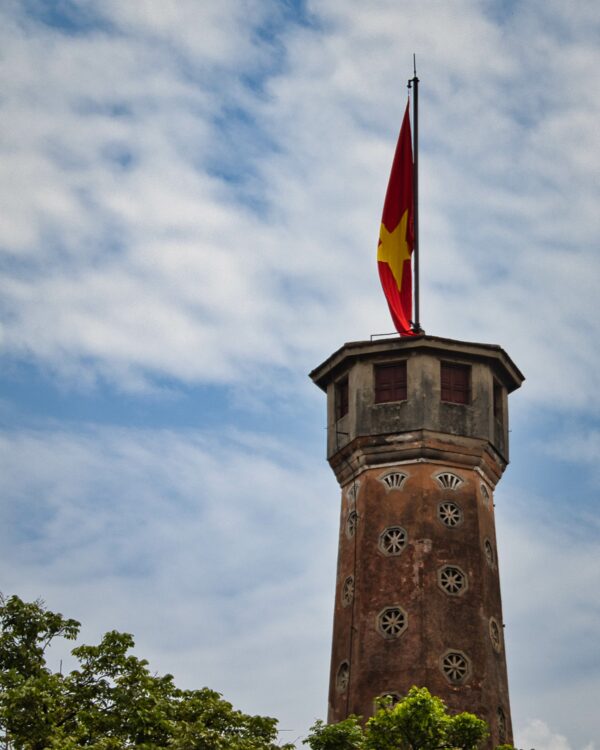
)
(418, 439)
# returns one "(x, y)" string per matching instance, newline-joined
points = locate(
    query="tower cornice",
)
(375, 451)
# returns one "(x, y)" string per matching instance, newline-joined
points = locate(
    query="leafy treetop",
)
(418, 722)
(111, 701)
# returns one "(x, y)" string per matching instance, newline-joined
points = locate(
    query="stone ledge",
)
(424, 446)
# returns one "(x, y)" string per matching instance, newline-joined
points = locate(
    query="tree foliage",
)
(419, 722)
(111, 701)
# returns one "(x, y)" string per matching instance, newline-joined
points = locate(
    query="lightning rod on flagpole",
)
(414, 84)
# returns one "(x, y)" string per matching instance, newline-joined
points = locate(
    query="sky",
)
(190, 200)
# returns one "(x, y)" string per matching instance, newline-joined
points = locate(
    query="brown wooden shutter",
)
(390, 383)
(456, 383)
(497, 401)
(341, 398)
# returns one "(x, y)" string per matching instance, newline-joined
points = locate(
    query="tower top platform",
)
(450, 349)
(425, 392)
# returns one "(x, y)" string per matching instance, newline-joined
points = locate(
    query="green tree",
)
(111, 701)
(345, 735)
(418, 722)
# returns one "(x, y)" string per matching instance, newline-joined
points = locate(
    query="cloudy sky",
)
(190, 202)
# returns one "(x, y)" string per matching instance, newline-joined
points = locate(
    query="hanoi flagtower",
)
(418, 439)
(417, 436)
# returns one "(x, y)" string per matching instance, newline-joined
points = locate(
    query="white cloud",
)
(192, 191)
(156, 268)
(537, 734)
(548, 552)
(580, 447)
(216, 551)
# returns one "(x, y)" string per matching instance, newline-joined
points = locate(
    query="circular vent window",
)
(452, 580)
(495, 636)
(393, 540)
(351, 524)
(386, 700)
(392, 622)
(455, 666)
(485, 494)
(342, 677)
(450, 514)
(501, 725)
(348, 591)
(352, 492)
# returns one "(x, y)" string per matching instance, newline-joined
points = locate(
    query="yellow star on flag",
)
(393, 248)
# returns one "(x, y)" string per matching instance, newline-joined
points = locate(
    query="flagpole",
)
(414, 81)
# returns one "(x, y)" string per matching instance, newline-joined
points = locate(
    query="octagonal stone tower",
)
(418, 439)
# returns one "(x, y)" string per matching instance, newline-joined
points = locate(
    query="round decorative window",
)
(485, 494)
(449, 481)
(393, 540)
(394, 480)
(501, 725)
(348, 591)
(342, 678)
(352, 492)
(351, 524)
(455, 666)
(488, 551)
(392, 622)
(450, 514)
(452, 580)
(495, 636)
(386, 700)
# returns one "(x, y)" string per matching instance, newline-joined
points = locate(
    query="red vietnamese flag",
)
(396, 238)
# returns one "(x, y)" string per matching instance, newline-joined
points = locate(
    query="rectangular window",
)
(341, 398)
(390, 382)
(456, 383)
(497, 401)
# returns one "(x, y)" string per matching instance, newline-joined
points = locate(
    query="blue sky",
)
(191, 195)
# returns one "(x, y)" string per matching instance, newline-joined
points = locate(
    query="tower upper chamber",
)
(418, 439)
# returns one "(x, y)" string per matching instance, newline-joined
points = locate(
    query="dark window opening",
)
(341, 398)
(497, 401)
(390, 383)
(456, 383)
